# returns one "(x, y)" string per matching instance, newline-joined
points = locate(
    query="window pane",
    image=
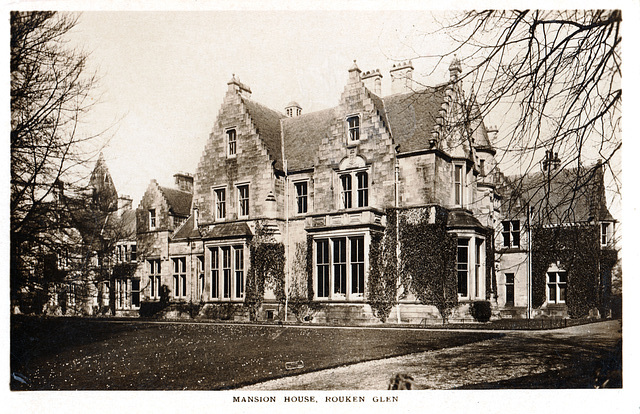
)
(243, 200)
(463, 267)
(346, 190)
(363, 189)
(239, 266)
(357, 265)
(340, 266)
(226, 269)
(562, 277)
(322, 262)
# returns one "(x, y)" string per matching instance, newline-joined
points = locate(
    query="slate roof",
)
(303, 135)
(186, 230)
(571, 195)
(179, 201)
(267, 121)
(462, 219)
(225, 230)
(412, 117)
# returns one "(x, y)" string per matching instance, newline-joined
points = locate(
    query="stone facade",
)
(321, 185)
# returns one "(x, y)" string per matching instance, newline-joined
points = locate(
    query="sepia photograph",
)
(316, 208)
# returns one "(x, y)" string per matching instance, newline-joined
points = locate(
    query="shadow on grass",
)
(603, 370)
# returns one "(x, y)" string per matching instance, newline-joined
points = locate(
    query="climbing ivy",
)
(266, 269)
(382, 288)
(577, 251)
(428, 257)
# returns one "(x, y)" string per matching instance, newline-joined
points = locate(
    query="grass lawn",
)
(80, 354)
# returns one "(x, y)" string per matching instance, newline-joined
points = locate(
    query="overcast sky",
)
(164, 74)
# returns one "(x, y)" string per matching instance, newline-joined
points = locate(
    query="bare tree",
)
(50, 91)
(558, 71)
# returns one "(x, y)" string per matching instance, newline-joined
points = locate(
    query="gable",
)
(569, 195)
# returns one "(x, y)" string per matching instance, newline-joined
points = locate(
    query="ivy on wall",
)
(266, 269)
(577, 251)
(428, 258)
(427, 261)
(382, 287)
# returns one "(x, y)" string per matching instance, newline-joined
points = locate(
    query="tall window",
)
(477, 267)
(215, 273)
(357, 265)
(152, 218)
(154, 278)
(340, 266)
(200, 261)
(239, 269)
(226, 272)
(511, 233)
(135, 293)
(134, 253)
(556, 287)
(322, 264)
(463, 267)
(354, 128)
(220, 203)
(345, 180)
(243, 200)
(605, 234)
(231, 142)
(509, 288)
(301, 197)
(363, 189)
(458, 184)
(180, 277)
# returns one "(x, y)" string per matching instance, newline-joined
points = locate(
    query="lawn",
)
(81, 354)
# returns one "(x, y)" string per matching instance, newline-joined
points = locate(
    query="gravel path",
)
(515, 355)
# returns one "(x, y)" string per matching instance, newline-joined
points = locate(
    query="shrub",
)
(481, 310)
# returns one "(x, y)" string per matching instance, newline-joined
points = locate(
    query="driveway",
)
(583, 356)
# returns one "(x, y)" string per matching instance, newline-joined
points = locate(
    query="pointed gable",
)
(179, 202)
(568, 195)
(101, 184)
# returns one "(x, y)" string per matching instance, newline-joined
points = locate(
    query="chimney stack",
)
(551, 161)
(235, 86)
(184, 182)
(124, 203)
(373, 81)
(354, 73)
(402, 77)
(196, 216)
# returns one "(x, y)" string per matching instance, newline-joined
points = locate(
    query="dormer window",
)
(231, 143)
(353, 123)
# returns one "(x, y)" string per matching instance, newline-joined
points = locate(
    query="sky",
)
(163, 75)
